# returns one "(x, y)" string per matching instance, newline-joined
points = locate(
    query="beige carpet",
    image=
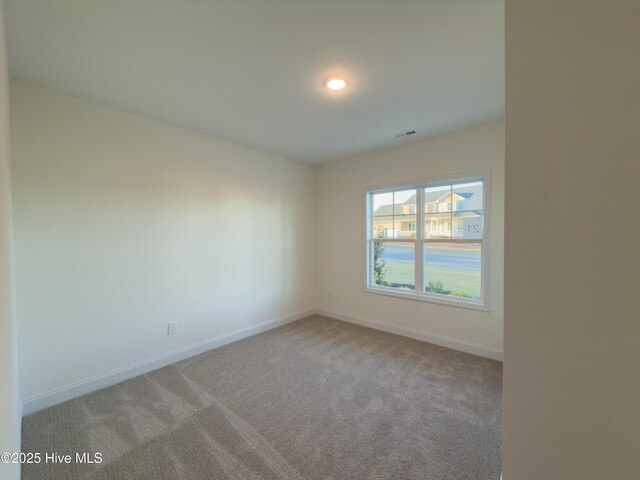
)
(315, 399)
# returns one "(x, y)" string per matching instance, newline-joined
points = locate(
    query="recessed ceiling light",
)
(336, 83)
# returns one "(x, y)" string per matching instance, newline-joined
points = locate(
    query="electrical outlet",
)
(172, 328)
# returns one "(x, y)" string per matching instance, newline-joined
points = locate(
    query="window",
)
(435, 253)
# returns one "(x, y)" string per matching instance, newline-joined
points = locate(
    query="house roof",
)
(432, 197)
(389, 210)
(429, 197)
(466, 214)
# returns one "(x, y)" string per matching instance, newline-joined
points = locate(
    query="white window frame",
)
(419, 294)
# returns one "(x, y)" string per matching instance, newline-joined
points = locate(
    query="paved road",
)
(453, 258)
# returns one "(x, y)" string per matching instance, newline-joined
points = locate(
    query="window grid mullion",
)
(419, 245)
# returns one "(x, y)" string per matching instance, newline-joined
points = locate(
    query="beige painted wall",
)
(572, 328)
(123, 224)
(9, 398)
(340, 261)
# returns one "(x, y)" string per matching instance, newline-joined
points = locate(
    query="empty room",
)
(319, 239)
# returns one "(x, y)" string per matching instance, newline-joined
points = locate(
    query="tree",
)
(379, 263)
(437, 287)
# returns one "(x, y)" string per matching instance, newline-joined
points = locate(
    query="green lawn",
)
(400, 273)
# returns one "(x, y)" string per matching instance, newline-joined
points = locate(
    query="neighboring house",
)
(445, 214)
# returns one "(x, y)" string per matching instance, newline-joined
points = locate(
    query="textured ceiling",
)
(251, 71)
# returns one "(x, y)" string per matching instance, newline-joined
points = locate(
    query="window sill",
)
(470, 304)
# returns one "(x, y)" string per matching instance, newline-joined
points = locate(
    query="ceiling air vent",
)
(404, 134)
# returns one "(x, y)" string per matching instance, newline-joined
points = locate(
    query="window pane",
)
(404, 213)
(404, 202)
(467, 196)
(405, 226)
(382, 204)
(468, 224)
(393, 265)
(453, 269)
(437, 199)
(394, 214)
(437, 225)
(382, 227)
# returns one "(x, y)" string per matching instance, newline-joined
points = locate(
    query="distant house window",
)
(440, 256)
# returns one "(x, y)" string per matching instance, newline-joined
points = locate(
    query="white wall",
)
(123, 224)
(572, 327)
(9, 399)
(340, 260)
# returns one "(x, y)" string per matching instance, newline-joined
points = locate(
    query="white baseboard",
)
(62, 394)
(441, 340)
